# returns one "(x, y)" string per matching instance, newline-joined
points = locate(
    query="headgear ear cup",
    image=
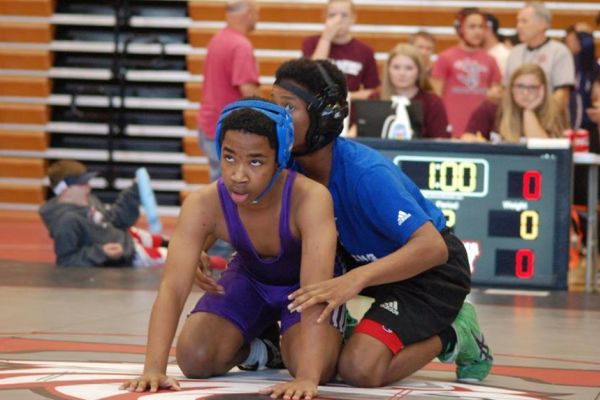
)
(284, 126)
(326, 111)
(330, 112)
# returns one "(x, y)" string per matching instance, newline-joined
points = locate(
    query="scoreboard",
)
(509, 204)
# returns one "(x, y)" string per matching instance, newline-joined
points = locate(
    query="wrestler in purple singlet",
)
(256, 289)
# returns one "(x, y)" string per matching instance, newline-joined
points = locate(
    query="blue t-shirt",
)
(376, 206)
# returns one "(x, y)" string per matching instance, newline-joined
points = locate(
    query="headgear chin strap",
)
(284, 128)
(326, 111)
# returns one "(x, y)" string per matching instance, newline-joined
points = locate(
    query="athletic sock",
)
(258, 356)
(448, 338)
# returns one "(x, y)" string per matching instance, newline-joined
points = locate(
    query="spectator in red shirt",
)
(230, 73)
(464, 74)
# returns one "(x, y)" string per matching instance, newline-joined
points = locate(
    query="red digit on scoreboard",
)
(532, 185)
(524, 263)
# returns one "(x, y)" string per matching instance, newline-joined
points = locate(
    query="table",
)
(591, 161)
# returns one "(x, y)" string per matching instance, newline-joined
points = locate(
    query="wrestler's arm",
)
(195, 223)
(319, 238)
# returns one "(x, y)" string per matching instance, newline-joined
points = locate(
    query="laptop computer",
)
(370, 117)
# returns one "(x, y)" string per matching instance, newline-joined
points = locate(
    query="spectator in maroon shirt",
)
(353, 57)
(405, 76)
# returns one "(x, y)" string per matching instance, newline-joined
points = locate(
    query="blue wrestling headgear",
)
(284, 128)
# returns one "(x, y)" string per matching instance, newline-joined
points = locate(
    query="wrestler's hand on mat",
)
(334, 292)
(295, 390)
(151, 381)
(204, 279)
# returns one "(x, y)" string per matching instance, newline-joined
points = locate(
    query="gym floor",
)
(76, 333)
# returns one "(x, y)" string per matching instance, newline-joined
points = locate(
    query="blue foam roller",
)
(148, 200)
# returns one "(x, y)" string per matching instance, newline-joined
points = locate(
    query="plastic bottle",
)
(398, 127)
(148, 200)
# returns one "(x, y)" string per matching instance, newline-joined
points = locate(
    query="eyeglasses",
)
(526, 88)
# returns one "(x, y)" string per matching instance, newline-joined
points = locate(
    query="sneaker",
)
(248, 367)
(449, 356)
(270, 337)
(472, 355)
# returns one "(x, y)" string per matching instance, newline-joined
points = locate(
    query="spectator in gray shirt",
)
(554, 57)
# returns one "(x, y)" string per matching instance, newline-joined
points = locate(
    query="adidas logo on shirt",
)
(402, 217)
(391, 306)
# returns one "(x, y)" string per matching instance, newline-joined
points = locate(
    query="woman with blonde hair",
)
(526, 111)
(404, 75)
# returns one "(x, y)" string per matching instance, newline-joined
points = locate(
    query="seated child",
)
(88, 233)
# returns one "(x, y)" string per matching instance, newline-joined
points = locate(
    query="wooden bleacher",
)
(21, 178)
(58, 89)
(25, 59)
(369, 12)
(17, 172)
(382, 16)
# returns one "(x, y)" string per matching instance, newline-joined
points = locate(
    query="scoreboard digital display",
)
(509, 204)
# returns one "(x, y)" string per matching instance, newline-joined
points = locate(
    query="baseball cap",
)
(65, 173)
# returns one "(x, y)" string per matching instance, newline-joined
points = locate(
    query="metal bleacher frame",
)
(113, 103)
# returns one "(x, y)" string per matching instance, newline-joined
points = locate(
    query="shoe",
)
(472, 355)
(449, 356)
(270, 337)
(248, 367)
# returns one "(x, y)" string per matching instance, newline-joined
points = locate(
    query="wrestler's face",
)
(297, 107)
(247, 163)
